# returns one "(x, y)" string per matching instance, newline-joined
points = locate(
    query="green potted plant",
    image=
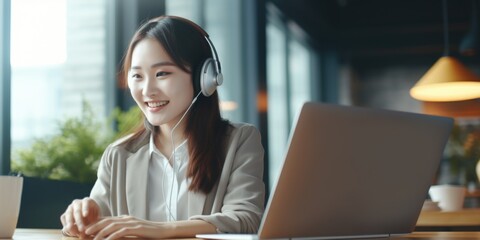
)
(62, 167)
(463, 152)
(74, 152)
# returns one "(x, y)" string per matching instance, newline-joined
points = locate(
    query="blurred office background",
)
(275, 55)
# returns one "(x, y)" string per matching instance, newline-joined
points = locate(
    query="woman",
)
(187, 170)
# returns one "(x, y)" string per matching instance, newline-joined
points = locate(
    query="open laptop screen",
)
(351, 171)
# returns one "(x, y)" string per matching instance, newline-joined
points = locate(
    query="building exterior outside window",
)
(58, 60)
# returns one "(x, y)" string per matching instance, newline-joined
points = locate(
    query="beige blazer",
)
(235, 205)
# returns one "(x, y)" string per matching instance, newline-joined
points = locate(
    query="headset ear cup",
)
(208, 74)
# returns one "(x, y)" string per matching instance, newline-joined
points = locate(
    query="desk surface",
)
(53, 234)
(48, 234)
(465, 217)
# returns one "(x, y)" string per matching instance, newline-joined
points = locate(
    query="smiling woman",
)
(186, 170)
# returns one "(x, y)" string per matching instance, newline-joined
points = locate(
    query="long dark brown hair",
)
(206, 131)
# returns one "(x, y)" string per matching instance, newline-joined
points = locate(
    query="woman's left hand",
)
(117, 227)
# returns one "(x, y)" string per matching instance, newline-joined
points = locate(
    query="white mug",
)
(10, 197)
(449, 197)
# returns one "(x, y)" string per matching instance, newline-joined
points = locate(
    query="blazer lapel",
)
(196, 203)
(136, 182)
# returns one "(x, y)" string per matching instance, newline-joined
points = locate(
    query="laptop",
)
(352, 172)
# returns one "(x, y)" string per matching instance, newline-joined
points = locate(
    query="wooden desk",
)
(441, 235)
(463, 220)
(37, 234)
(53, 234)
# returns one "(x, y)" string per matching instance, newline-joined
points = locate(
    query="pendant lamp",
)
(448, 79)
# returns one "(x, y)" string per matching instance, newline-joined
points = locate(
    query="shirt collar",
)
(181, 148)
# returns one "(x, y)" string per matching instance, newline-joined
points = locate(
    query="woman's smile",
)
(156, 105)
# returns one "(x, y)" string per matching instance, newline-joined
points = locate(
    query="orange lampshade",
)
(447, 80)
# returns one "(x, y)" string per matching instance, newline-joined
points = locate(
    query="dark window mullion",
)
(288, 38)
(5, 88)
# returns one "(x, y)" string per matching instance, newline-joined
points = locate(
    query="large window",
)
(291, 81)
(58, 60)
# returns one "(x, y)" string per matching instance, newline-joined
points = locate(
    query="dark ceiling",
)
(382, 29)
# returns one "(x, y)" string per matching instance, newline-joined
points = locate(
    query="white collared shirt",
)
(167, 186)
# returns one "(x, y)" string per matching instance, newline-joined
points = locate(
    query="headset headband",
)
(214, 54)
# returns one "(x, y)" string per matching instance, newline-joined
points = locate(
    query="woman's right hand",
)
(79, 214)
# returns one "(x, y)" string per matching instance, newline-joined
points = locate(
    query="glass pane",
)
(58, 61)
(190, 9)
(299, 79)
(221, 19)
(277, 99)
(223, 23)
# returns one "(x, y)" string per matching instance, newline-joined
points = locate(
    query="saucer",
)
(430, 205)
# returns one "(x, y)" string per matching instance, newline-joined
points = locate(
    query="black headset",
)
(210, 75)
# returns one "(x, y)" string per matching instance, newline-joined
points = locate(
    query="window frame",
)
(5, 72)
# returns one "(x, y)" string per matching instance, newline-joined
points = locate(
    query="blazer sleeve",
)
(101, 190)
(241, 190)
